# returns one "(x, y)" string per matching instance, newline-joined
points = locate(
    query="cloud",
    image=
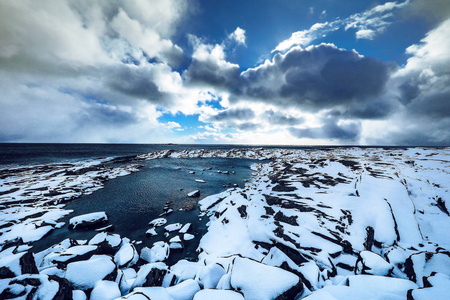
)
(330, 130)
(278, 118)
(238, 35)
(94, 72)
(316, 78)
(422, 87)
(209, 67)
(367, 24)
(232, 114)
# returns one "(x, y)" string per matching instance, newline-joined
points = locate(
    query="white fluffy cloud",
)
(367, 25)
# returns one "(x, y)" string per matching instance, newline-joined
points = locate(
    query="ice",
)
(195, 193)
(105, 290)
(151, 232)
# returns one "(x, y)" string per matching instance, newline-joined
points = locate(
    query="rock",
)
(209, 294)
(88, 221)
(126, 256)
(423, 264)
(185, 228)
(158, 222)
(17, 264)
(84, 274)
(152, 274)
(105, 290)
(209, 276)
(184, 290)
(259, 282)
(188, 237)
(151, 232)
(372, 264)
(200, 180)
(159, 252)
(195, 193)
(173, 227)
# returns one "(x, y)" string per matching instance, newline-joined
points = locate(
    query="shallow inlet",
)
(132, 201)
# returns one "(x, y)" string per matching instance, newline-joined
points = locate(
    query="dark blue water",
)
(14, 155)
(132, 201)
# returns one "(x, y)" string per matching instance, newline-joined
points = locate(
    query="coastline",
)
(317, 218)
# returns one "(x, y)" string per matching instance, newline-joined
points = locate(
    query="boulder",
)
(88, 221)
(126, 256)
(195, 193)
(209, 294)
(84, 274)
(159, 252)
(372, 264)
(259, 281)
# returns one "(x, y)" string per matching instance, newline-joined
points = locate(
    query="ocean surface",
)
(132, 201)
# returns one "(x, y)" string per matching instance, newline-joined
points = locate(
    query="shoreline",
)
(309, 214)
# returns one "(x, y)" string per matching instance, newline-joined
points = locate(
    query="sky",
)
(309, 72)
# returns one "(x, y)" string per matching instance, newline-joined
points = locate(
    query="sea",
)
(132, 201)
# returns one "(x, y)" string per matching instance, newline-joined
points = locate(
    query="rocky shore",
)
(337, 223)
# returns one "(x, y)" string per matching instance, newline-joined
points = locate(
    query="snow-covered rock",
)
(195, 193)
(158, 222)
(259, 281)
(173, 227)
(209, 294)
(159, 252)
(85, 274)
(184, 290)
(105, 290)
(88, 221)
(126, 256)
(372, 263)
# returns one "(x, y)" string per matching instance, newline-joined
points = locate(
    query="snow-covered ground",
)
(341, 223)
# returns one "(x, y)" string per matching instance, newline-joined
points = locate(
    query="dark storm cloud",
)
(330, 130)
(318, 77)
(209, 72)
(135, 82)
(278, 118)
(241, 114)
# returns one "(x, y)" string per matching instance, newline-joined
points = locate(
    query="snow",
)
(185, 228)
(126, 256)
(259, 281)
(158, 222)
(209, 294)
(184, 290)
(159, 252)
(105, 290)
(113, 240)
(86, 218)
(173, 227)
(195, 193)
(308, 211)
(188, 236)
(208, 277)
(84, 274)
(151, 232)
